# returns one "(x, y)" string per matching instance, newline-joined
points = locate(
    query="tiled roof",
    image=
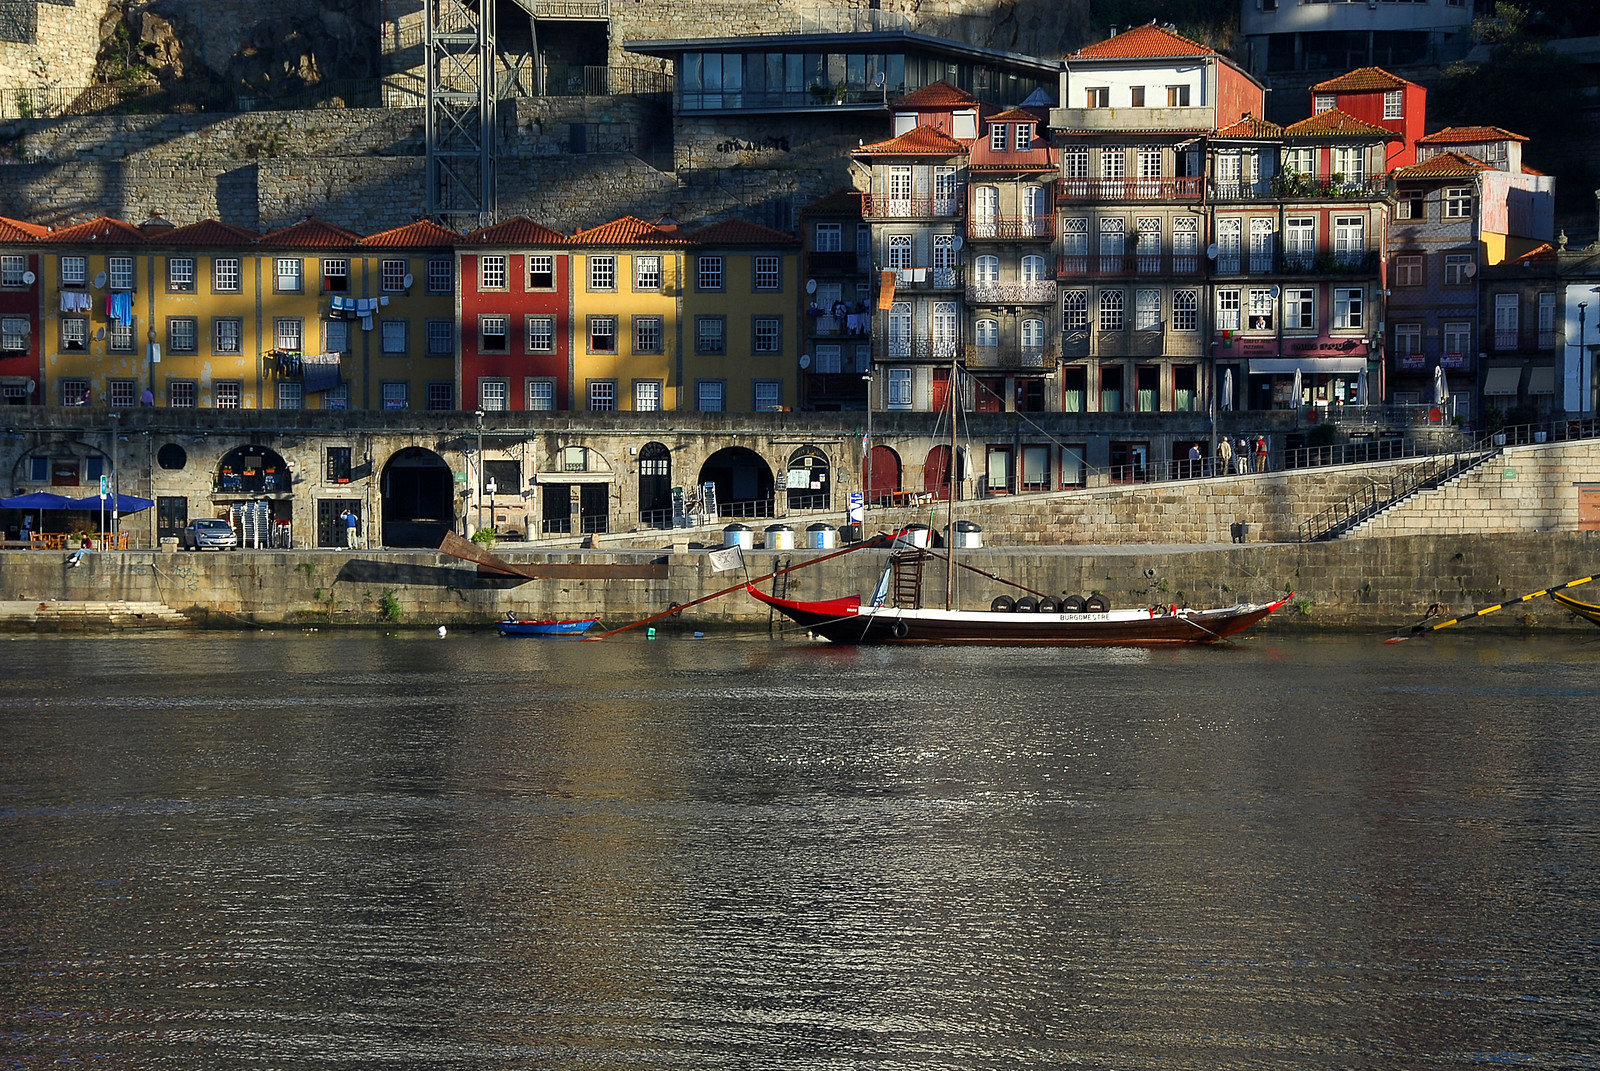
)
(1251, 127)
(740, 232)
(1340, 124)
(1526, 170)
(1137, 130)
(423, 234)
(519, 230)
(837, 203)
(1445, 165)
(1360, 79)
(208, 232)
(1148, 40)
(1469, 135)
(921, 141)
(629, 230)
(311, 233)
(15, 230)
(104, 229)
(936, 95)
(1544, 251)
(1013, 115)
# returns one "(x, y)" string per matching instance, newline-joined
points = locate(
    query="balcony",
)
(1303, 188)
(923, 350)
(839, 264)
(1518, 340)
(845, 389)
(1359, 262)
(873, 207)
(925, 279)
(1036, 293)
(1074, 266)
(1175, 119)
(1004, 227)
(569, 10)
(1140, 189)
(1012, 357)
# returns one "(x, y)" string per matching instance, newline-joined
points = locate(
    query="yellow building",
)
(626, 314)
(409, 357)
(740, 304)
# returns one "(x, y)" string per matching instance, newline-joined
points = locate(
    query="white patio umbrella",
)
(1361, 388)
(1294, 397)
(1441, 389)
(1227, 389)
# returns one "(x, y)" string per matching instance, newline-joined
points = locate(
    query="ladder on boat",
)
(906, 578)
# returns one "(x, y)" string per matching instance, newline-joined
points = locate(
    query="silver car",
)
(208, 533)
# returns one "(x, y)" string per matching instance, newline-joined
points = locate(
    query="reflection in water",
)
(283, 851)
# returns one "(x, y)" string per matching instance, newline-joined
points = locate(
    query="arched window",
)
(808, 479)
(986, 270)
(1033, 335)
(1033, 269)
(987, 333)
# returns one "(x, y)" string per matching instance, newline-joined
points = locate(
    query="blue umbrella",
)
(122, 503)
(38, 500)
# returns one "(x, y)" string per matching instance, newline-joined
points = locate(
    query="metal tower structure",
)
(461, 112)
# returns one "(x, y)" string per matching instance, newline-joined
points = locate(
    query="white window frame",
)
(119, 272)
(441, 276)
(710, 272)
(541, 334)
(75, 271)
(602, 273)
(647, 272)
(180, 275)
(542, 265)
(226, 277)
(1229, 309)
(647, 396)
(541, 395)
(768, 273)
(1349, 309)
(494, 325)
(288, 275)
(492, 271)
(392, 276)
(395, 395)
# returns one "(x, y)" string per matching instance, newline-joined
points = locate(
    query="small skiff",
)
(511, 625)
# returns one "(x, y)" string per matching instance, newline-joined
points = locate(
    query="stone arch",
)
(655, 485)
(743, 480)
(809, 480)
(418, 498)
(936, 471)
(253, 470)
(884, 482)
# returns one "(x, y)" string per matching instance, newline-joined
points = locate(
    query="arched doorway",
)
(743, 481)
(882, 476)
(418, 490)
(655, 486)
(252, 470)
(936, 471)
(809, 480)
(255, 485)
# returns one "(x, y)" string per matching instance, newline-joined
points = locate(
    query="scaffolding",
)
(461, 112)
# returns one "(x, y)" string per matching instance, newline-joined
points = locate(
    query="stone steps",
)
(99, 615)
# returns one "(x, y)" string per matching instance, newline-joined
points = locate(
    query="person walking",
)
(351, 524)
(1241, 453)
(1194, 461)
(1261, 453)
(1225, 457)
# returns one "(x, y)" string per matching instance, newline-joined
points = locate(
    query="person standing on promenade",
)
(351, 523)
(1261, 453)
(1194, 461)
(1225, 457)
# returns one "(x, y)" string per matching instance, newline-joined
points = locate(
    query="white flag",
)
(726, 558)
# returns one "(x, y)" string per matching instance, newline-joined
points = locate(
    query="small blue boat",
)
(512, 625)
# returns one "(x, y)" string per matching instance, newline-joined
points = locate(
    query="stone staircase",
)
(93, 615)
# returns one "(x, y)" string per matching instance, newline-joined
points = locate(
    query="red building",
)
(515, 318)
(1375, 96)
(20, 285)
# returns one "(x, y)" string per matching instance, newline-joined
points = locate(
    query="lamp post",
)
(478, 476)
(1583, 360)
(866, 447)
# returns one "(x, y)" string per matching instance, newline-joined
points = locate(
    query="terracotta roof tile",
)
(208, 232)
(423, 234)
(922, 141)
(311, 233)
(740, 232)
(1361, 79)
(104, 230)
(1012, 115)
(935, 95)
(1250, 127)
(1337, 124)
(629, 230)
(1444, 165)
(1469, 135)
(837, 203)
(519, 230)
(1542, 252)
(1526, 170)
(1142, 41)
(15, 230)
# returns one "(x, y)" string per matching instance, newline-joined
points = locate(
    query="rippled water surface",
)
(282, 851)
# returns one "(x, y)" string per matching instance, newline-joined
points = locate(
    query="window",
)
(493, 334)
(119, 336)
(997, 137)
(1457, 202)
(898, 392)
(1112, 242)
(1227, 310)
(394, 341)
(708, 273)
(73, 392)
(541, 271)
(180, 275)
(74, 334)
(1147, 310)
(227, 335)
(336, 336)
(1113, 163)
(602, 273)
(1033, 331)
(647, 395)
(602, 395)
(1150, 167)
(1024, 136)
(1506, 316)
(74, 271)
(541, 334)
(1111, 310)
(441, 395)
(12, 269)
(493, 395)
(828, 238)
(1411, 205)
(768, 334)
(441, 276)
(1177, 96)
(182, 334)
(229, 393)
(336, 398)
(335, 275)
(121, 393)
(986, 333)
(1075, 163)
(1299, 242)
(1547, 321)
(647, 334)
(1300, 162)
(1456, 336)
(1229, 232)
(492, 272)
(287, 334)
(1263, 310)
(1407, 339)
(710, 395)
(1351, 162)
(1185, 243)
(441, 338)
(647, 273)
(392, 276)
(14, 334)
(1261, 243)
(602, 334)
(1322, 102)
(287, 273)
(1075, 310)
(396, 394)
(119, 273)
(291, 395)
(1349, 239)
(1347, 310)
(1459, 268)
(1097, 97)
(182, 393)
(1408, 270)
(1136, 96)
(1033, 270)
(1394, 104)
(1299, 309)
(767, 273)
(542, 395)
(986, 270)
(1186, 310)
(337, 465)
(710, 334)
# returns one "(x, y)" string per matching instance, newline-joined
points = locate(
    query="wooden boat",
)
(847, 621)
(1586, 610)
(511, 625)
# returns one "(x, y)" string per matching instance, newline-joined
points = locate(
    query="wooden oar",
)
(1422, 630)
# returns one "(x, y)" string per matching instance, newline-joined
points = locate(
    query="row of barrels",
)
(1072, 604)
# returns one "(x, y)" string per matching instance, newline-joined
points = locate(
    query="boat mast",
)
(950, 486)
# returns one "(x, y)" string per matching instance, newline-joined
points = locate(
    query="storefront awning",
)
(1501, 380)
(1541, 381)
(1310, 366)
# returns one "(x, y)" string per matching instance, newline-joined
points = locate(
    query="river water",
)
(326, 849)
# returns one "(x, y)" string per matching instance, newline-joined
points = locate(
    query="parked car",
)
(208, 533)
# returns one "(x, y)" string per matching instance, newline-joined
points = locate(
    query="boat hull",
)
(545, 628)
(846, 621)
(1586, 610)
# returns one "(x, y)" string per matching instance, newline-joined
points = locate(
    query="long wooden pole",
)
(1419, 630)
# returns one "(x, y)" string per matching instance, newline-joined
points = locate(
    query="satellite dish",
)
(805, 360)
(100, 335)
(1276, 290)
(407, 281)
(1212, 250)
(1469, 270)
(100, 281)
(878, 81)
(811, 286)
(956, 242)
(28, 277)
(32, 386)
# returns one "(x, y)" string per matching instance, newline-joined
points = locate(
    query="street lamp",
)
(866, 445)
(479, 480)
(1583, 360)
